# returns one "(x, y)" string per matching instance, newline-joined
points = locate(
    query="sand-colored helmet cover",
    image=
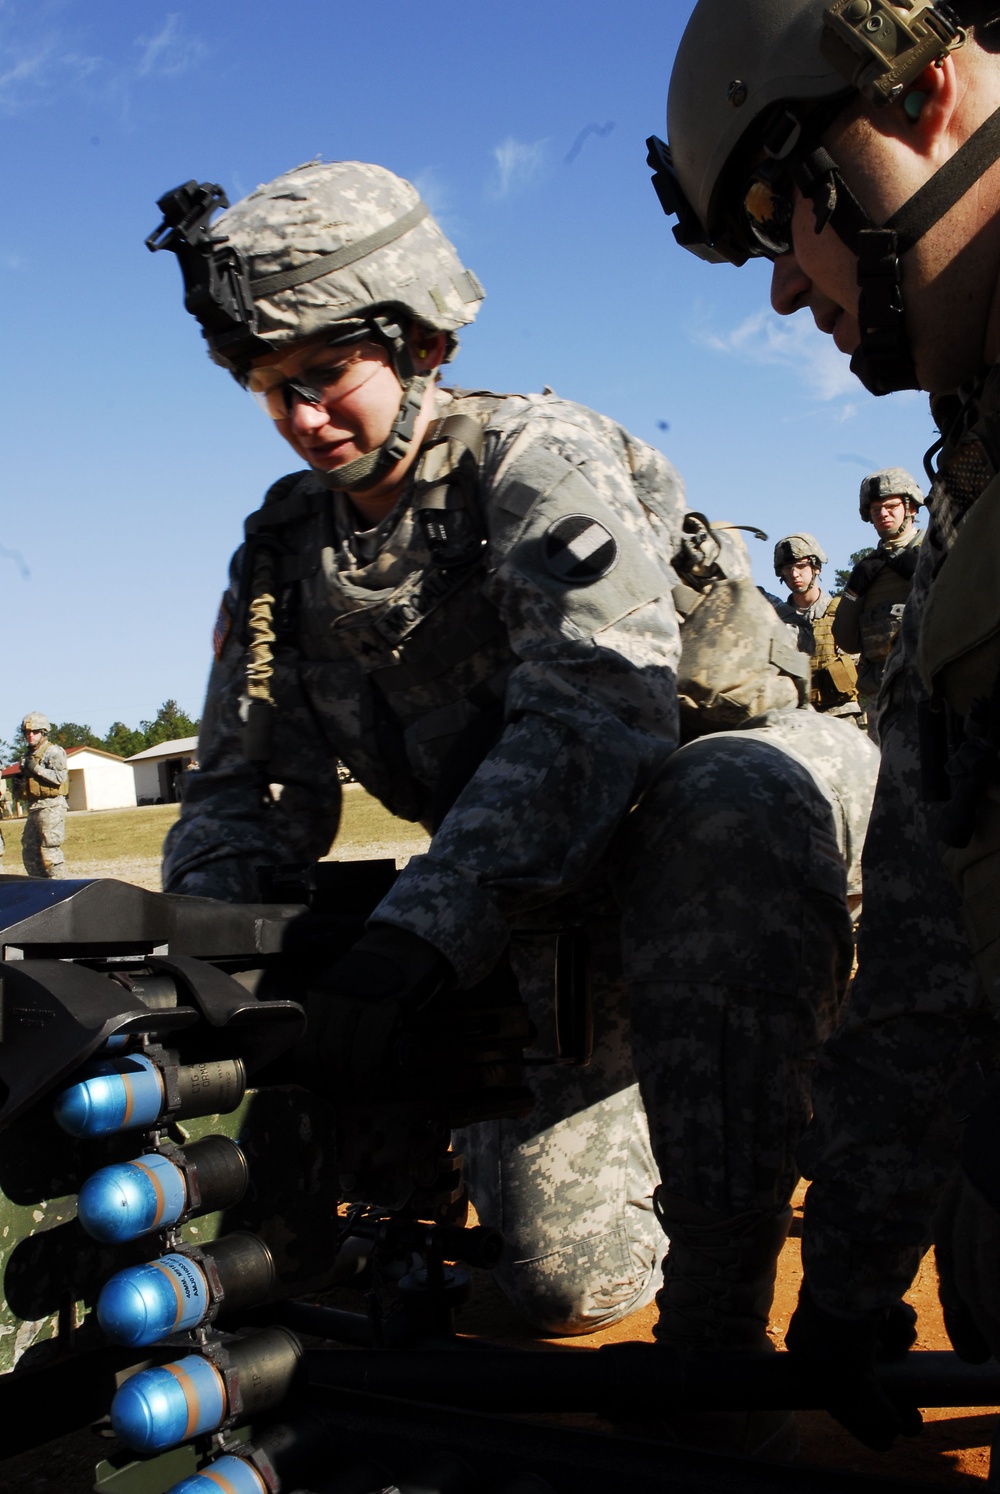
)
(797, 547)
(328, 208)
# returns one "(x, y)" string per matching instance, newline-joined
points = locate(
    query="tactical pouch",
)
(737, 658)
(879, 628)
(38, 790)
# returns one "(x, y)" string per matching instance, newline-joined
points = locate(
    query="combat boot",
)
(718, 1282)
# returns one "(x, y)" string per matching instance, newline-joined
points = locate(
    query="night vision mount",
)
(216, 283)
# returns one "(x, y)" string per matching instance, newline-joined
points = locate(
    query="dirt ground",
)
(952, 1452)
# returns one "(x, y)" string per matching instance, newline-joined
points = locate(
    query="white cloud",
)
(795, 343)
(518, 164)
(169, 52)
(36, 70)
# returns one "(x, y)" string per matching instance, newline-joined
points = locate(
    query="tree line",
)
(169, 723)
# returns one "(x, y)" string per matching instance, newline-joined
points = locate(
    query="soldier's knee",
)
(582, 1286)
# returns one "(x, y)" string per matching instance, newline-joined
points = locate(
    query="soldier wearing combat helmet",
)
(44, 786)
(469, 600)
(871, 609)
(799, 561)
(856, 145)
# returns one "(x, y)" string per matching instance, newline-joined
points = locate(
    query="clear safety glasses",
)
(325, 376)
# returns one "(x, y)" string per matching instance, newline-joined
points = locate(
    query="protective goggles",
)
(327, 376)
(767, 205)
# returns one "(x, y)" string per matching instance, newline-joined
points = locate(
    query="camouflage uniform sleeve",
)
(590, 713)
(52, 767)
(890, 1083)
(231, 823)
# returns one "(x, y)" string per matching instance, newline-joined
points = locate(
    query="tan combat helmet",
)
(754, 87)
(890, 482)
(798, 547)
(36, 721)
(339, 247)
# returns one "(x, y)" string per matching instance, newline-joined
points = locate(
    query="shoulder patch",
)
(223, 628)
(579, 549)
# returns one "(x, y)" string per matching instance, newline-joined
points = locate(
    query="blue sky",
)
(131, 461)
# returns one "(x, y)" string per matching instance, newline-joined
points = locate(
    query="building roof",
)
(166, 749)
(97, 751)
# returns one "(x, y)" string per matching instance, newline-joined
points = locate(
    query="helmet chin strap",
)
(368, 470)
(884, 360)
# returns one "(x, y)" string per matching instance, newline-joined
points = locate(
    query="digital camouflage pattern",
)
(45, 774)
(324, 208)
(397, 664)
(735, 943)
(884, 1134)
(540, 673)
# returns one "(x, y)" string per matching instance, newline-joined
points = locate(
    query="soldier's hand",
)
(843, 1349)
(357, 1007)
(864, 574)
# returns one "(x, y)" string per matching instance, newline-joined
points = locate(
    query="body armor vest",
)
(834, 675)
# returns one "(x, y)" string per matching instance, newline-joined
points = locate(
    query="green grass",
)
(137, 834)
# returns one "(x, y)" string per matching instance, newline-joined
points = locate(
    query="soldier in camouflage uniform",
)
(868, 619)
(45, 784)
(856, 147)
(469, 599)
(799, 561)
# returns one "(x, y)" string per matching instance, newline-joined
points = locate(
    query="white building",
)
(158, 769)
(99, 779)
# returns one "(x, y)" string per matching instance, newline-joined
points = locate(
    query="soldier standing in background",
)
(871, 609)
(44, 785)
(799, 561)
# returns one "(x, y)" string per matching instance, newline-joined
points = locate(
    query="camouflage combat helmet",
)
(36, 721)
(798, 547)
(890, 482)
(754, 86)
(337, 247)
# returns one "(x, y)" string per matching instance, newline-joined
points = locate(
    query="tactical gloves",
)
(843, 1350)
(967, 1238)
(358, 1008)
(389, 1022)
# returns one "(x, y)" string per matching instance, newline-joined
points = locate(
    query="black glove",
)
(844, 1350)
(967, 1237)
(388, 1022)
(864, 574)
(357, 1007)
